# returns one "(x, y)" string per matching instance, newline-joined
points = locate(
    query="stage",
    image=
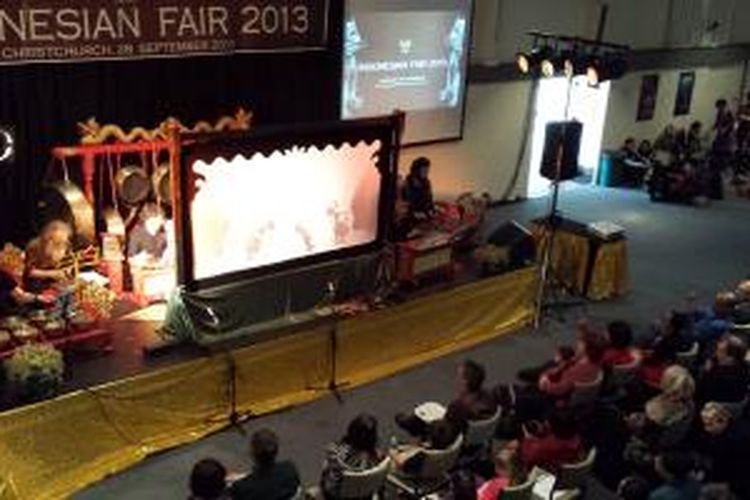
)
(54, 448)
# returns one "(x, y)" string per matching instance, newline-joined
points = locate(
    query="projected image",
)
(264, 210)
(412, 56)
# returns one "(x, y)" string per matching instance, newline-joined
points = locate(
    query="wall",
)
(710, 85)
(486, 158)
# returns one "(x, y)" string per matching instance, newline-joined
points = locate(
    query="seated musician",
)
(149, 257)
(147, 242)
(418, 190)
(45, 257)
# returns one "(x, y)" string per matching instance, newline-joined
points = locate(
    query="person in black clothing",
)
(269, 479)
(418, 190)
(472, 403)
(724, 443)
(208, 481)
(725, 377)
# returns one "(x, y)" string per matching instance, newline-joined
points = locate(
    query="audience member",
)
(564, 358)
(620, 349)
(721, 149)
(208, 481)
(710, 324)
(673, 405)
(724, 443)
(530, 402)
(741, 312)
(646, 150)
(587, 367)
(556, 443)
(694, 148)
(726, 377)
(665, 142)
(356, 452)
(508, 472)
(471, 403)
(630, 154)
(633, 488)
(269, 479)
(675, 469)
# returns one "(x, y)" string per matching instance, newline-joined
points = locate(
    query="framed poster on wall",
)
(647, 99)
(684, 93)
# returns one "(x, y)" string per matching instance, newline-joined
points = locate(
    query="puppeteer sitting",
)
(417, 190)
(416, 199)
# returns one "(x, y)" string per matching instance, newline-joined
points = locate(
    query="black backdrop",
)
(43, 104)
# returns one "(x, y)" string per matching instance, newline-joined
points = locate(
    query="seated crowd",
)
(666, 419)
(685, 164)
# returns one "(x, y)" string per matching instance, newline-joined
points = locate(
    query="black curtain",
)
(43, 104)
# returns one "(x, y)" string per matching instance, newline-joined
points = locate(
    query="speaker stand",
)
(549, 291)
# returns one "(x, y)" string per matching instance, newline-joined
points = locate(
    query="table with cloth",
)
(583, 261)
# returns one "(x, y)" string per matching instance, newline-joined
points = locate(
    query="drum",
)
(133, 185)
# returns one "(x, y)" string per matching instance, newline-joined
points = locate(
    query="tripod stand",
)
(547, 297)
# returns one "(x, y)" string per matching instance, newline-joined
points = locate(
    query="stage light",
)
(523, 62)
(594, 69)
(610, 66)
(538, 59)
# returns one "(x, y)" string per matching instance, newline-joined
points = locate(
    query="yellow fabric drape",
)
(52, 449)
(609, 277)
(569, 258)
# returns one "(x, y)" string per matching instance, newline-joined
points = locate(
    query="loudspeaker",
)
(517, 240)
(562, 142)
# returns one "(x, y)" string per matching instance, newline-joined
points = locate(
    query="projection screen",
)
(258, 205)
(408, 55)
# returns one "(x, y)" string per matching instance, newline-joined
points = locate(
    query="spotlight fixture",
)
(540, 58)
(599, 61)
(610, 66)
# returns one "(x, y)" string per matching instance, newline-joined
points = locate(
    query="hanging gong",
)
(161, 183)
(133, 185)
(64, 200)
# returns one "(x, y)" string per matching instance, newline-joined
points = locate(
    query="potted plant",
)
(36, 371)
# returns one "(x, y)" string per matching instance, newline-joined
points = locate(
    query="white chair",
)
(523, 491)
(584, 395)
(433, 475)
(359, 485)
(479, 433)
(576, 477)
(688, 358)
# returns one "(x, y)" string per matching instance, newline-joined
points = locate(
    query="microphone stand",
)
(333, 386)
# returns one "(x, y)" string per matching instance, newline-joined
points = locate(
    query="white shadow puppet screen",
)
(299, 202)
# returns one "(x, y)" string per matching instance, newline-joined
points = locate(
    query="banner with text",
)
(80, 30)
